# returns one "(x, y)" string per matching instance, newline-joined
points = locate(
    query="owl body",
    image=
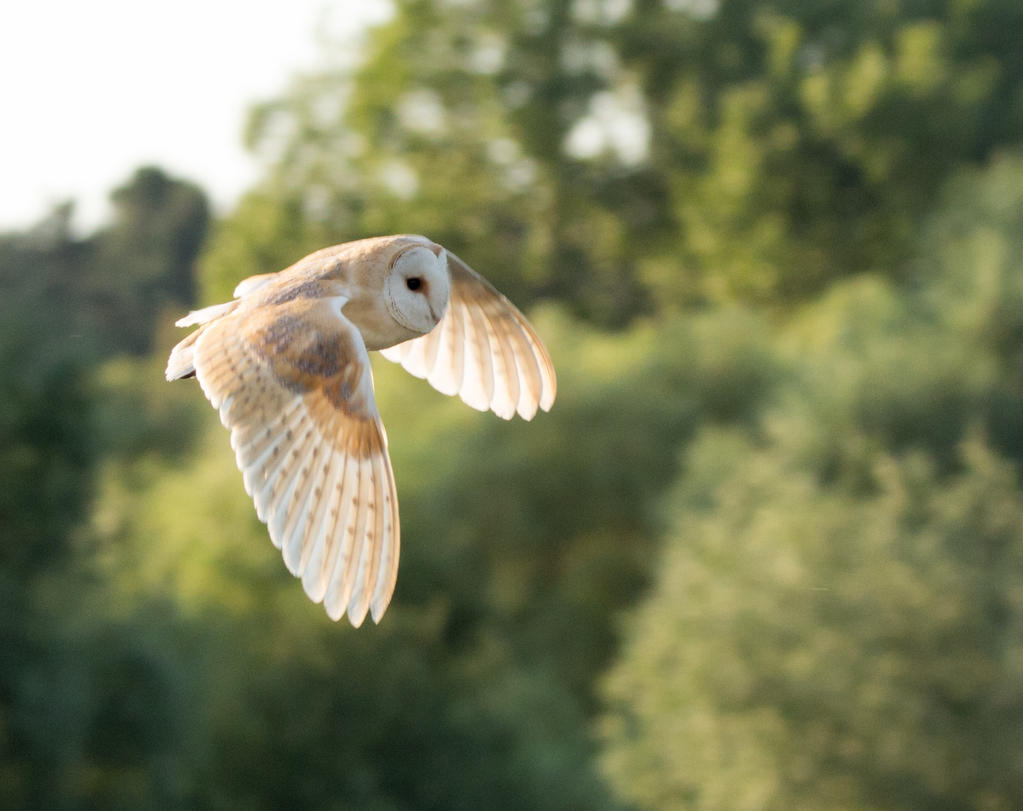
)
(286, 365)
(356, 271)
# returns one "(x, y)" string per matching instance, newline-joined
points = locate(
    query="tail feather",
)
(181, 363)
(206, 314)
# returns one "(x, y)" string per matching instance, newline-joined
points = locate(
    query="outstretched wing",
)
(293, 383)
(484, 350)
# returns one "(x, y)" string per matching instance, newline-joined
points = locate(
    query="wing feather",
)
(341, 581)
(431, 344)
(292, 382)
(478, 386)
(325, 471)
(373, 568)
(256, 459)
(371, 547)
(294, 531)
(364, 530)
(545, 366)
(256, 435)
(388, 574)
(506, 377)
(277, 460)
(446, 376)
(417, 354)
(338, 573)
(288, 497)
(324, 556)
(330, 535)
(324, 527)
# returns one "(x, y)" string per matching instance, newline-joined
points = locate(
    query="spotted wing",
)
(293, 383)
(484, 350)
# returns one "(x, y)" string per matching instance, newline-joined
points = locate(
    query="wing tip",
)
(333, 614)
(547, 403)
(475, 403)
(357, 614)
(376, 613)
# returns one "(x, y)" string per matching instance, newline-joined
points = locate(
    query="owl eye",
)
(413, 283)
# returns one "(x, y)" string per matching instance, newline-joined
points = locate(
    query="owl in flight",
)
(287, 366)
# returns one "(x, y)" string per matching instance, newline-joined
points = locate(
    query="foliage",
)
(144, 262)
(45, 449)
(46, 458)
(85, 705)
(799, 142)
(817, 645)
(836, 618)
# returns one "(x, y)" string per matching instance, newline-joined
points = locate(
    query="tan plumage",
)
(287, 366)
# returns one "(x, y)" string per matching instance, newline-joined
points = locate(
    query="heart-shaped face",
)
(417, 288)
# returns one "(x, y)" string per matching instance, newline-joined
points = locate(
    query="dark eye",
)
(413, 283)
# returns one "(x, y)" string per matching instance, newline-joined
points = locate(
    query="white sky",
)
(90, 90)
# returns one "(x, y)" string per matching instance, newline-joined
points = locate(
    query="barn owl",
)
(286, 364)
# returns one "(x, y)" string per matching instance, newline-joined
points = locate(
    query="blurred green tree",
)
(813, 645)
(88, 708)
(46, 452)
(143, 264)
(836, 618)
(800, 142)
(972, 249)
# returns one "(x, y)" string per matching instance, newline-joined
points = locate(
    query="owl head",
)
(417, 285)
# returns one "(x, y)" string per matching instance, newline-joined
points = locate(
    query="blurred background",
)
(766, 552)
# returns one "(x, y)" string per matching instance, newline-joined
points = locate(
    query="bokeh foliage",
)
(766, 550)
